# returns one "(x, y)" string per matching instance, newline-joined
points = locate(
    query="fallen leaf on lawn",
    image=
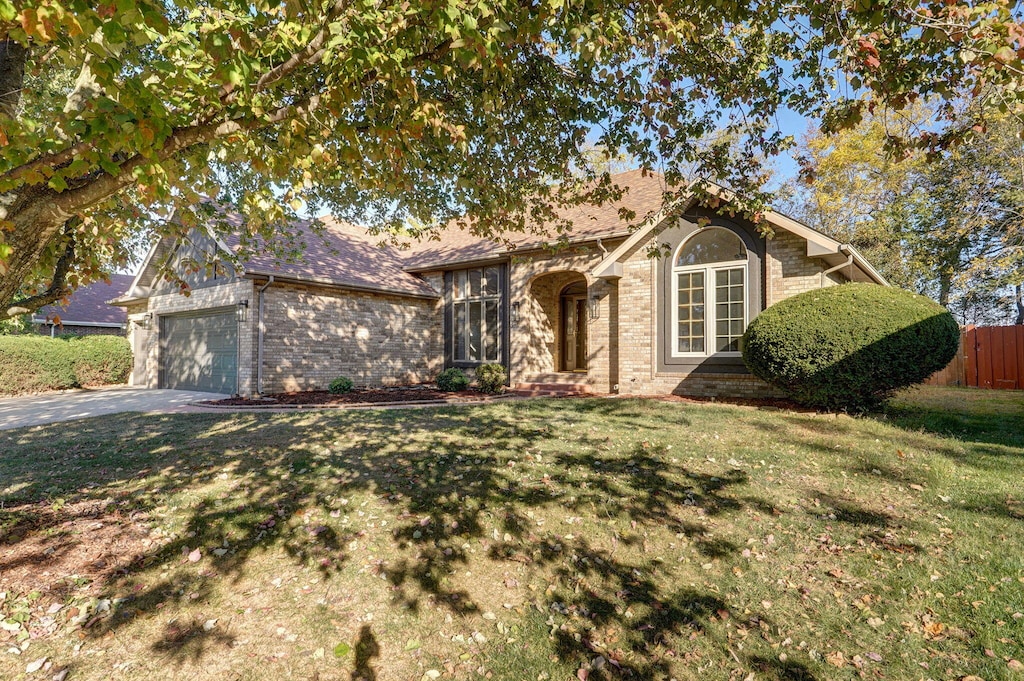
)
(582, 673)
(875, 622)
(318, 654)
(836, 659)
(412, 644)
(342, 649)
(35, 666)
(195, 556)
(208, 625)
(1015, 665)
(916, 487)
(934, 629)
(431, 674)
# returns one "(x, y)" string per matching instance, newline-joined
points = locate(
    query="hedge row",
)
(31, 363)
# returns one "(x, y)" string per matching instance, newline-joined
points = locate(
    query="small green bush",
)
(850, 347)
(452, 380)
(342, 384)
(31, 363)
(491, 378)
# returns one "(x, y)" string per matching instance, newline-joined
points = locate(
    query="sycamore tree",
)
(418, 111)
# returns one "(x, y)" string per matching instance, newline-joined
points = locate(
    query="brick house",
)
(598, 312)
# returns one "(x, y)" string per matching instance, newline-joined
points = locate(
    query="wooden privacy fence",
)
(989, 357)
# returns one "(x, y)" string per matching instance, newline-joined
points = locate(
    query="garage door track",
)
(34, 410)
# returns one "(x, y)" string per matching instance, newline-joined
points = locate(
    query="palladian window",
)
(709, 277)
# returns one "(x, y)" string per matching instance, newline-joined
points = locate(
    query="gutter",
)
(259, 337)
(844, 248)
(328, 283)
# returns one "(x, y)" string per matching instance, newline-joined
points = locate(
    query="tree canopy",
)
(947, 223)
(418, 111)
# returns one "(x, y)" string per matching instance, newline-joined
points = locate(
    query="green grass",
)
(520, 540)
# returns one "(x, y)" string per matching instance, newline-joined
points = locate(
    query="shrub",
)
(850, 347)
(342, 384)
(452, 380)
(491, 378)
(32, 363)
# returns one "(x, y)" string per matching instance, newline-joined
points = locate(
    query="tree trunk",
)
(1019, 290)
(12, 75)
(945, 285)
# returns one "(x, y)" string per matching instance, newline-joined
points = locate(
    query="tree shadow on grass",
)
(450, 476)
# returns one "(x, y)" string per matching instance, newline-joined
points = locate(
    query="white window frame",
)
(709, 289)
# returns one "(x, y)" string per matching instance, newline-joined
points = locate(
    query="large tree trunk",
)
(1019, 290)
(12, 75)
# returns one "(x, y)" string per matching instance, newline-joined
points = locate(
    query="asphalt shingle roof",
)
(89, 303)
(643, 196)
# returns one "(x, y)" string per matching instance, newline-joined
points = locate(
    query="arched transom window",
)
(709, 293)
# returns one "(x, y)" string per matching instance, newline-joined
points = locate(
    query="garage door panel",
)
(200, 352)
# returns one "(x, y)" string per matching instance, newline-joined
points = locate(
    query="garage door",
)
(199, 352)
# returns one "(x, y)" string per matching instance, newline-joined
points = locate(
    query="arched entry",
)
(572, 303)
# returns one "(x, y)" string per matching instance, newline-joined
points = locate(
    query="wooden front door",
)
(574, 332)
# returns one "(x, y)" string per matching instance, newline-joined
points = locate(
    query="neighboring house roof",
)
(88, 305)
(644, 196)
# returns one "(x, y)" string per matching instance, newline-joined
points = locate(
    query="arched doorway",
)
(572, 303)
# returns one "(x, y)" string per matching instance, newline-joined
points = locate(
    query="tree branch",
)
(58, 285)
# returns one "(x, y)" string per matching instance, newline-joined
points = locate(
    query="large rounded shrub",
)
(850, 347)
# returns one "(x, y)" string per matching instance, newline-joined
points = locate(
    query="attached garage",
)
(199, 351)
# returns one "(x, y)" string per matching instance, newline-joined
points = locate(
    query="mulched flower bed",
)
(358, 396)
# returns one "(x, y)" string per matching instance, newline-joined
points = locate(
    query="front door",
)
(574, 329)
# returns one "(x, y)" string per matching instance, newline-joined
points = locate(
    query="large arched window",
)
(709, 275)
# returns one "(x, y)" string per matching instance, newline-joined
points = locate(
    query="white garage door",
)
(199, 352)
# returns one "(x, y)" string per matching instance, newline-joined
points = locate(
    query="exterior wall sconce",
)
(515, 313)
(145, 321)
(595, 306)
(242, 310)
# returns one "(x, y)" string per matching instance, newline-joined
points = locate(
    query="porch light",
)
(515, 313)
(595, 307)
(145, 321)
(242, 310)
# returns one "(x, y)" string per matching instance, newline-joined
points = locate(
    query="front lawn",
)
(526, 540)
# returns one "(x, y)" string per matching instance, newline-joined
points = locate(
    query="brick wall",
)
(788, 271)
(314, 335)
(536, 280)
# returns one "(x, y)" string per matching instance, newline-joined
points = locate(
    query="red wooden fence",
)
(989, 357)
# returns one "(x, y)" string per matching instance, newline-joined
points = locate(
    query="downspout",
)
(845, 248)
(259, 337)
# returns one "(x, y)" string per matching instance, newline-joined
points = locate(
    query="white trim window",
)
(709, 294)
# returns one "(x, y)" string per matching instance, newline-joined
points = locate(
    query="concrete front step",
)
(559, 378)
(551, 389)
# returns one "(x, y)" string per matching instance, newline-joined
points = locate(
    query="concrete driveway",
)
(34, 410)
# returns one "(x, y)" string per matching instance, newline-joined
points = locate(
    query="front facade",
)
(655, 311)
